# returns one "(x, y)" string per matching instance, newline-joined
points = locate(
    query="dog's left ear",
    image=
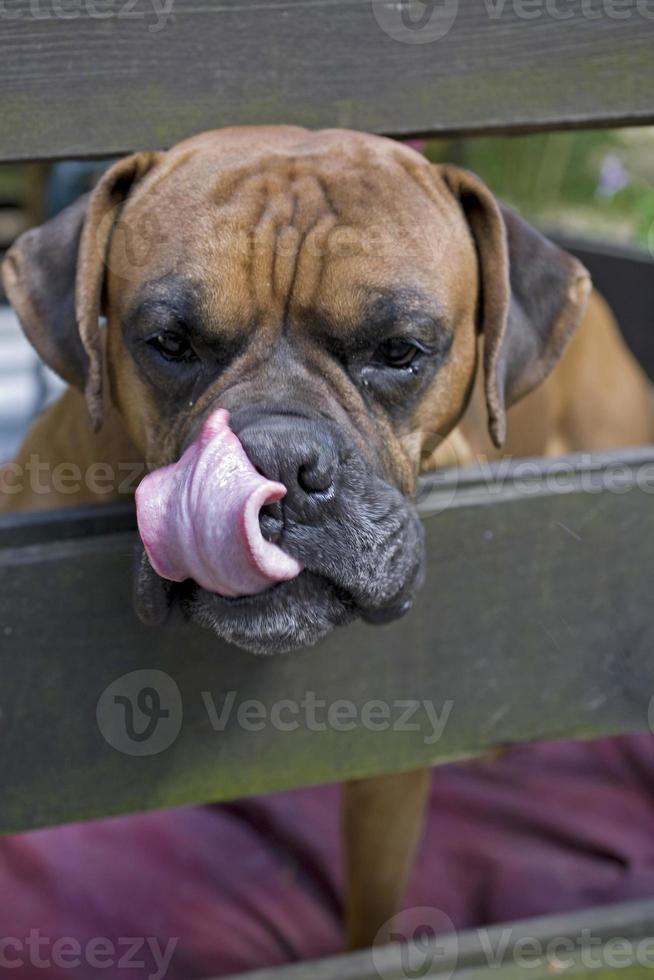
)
(54, 277)
(532, 297)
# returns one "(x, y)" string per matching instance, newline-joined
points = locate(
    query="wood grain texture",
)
(136, 76)
(536, 622)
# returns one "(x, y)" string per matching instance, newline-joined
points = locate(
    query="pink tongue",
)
(199, 517)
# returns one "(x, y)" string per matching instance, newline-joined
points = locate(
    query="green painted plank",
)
(536, 622)
(147, 77)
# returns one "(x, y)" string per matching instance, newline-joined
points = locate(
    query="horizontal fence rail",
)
(577, 945)
(99, 77)
(535, 622)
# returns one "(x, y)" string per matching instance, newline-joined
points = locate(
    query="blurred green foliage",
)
(12, 182)
(597, 183)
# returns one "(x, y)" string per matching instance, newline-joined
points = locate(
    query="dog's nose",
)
(299, 452)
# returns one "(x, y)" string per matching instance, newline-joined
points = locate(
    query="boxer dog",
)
(286, 328)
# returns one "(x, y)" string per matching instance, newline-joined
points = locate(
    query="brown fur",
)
(596, 398)
(288, 232)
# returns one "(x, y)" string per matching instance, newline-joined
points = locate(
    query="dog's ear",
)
(532, 296)
(54, 277)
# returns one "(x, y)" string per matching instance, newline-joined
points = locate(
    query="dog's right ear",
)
(54, 277)
(38, 274)
(532, 296)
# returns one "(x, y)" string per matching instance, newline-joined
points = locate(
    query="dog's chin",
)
(373, 573)
(289, 616)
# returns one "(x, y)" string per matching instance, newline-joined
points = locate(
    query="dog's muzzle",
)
(359, 540)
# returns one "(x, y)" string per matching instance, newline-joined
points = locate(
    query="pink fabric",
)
(547, 828)
(419, 145)
(199, 517)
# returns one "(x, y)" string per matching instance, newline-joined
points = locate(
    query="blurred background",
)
(596, 185)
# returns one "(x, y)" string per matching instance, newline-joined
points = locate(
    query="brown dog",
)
(350, 304)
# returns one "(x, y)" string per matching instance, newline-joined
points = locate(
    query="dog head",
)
(328, 290)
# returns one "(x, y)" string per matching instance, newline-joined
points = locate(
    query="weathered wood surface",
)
(536, 622)
(613, 942)
(99, 77)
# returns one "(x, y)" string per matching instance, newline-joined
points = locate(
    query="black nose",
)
(299, 452)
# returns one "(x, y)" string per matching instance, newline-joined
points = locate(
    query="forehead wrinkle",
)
(314, 217)
(266, 271)
(310, 262)
(272, 209)
(262, 198)
(285, 249)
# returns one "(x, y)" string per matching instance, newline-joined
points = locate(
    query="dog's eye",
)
(397, 352)
(172, 345)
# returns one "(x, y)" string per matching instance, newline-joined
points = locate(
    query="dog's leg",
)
(382, 820)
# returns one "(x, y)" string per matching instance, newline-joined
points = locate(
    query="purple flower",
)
(613, 176)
